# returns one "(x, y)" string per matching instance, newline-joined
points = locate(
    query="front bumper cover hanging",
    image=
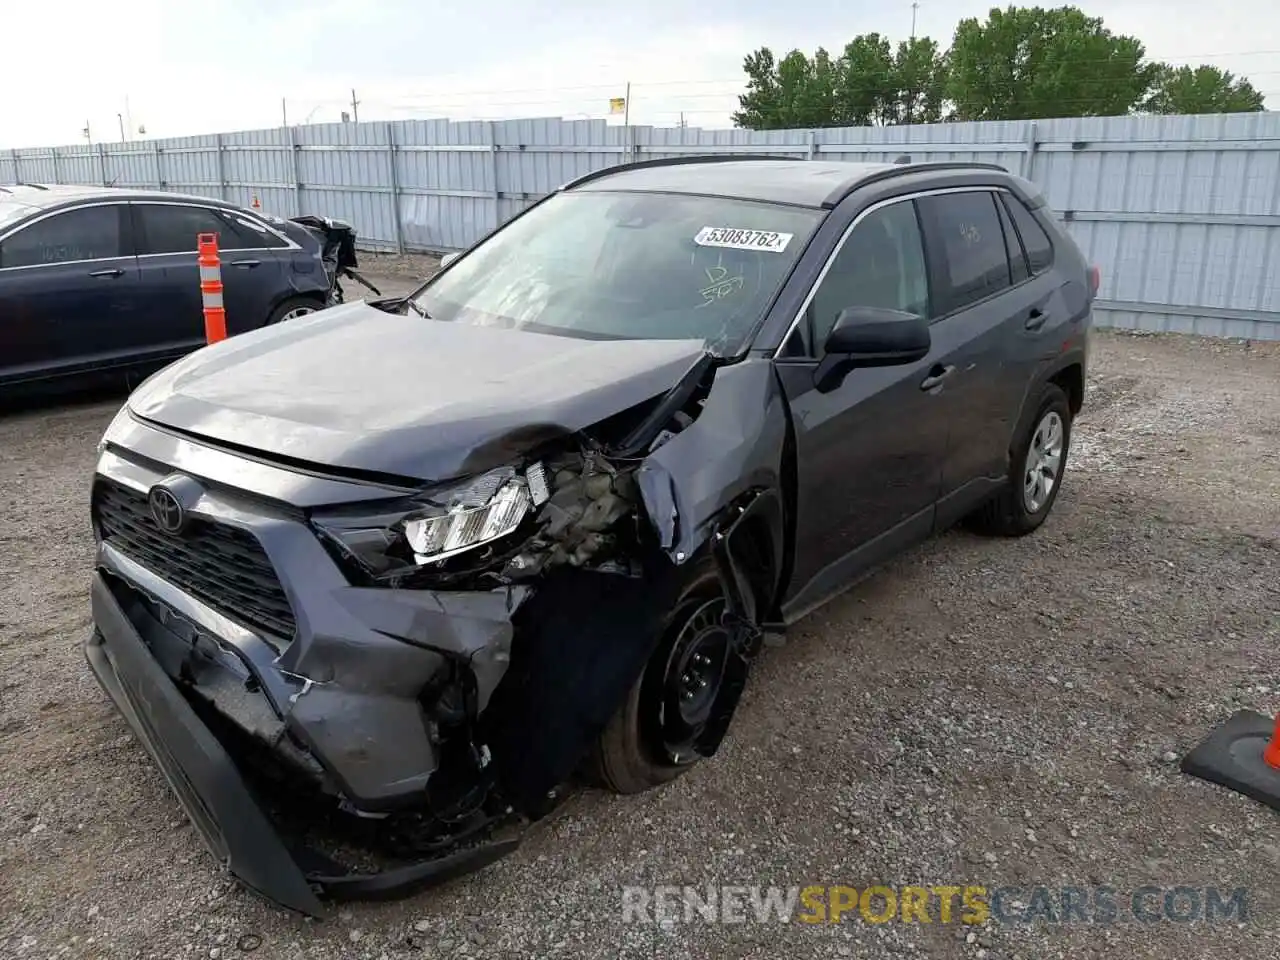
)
(218, 800)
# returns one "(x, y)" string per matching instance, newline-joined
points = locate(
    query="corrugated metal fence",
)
(1181, 213)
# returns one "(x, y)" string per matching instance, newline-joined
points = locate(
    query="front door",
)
(869, 452)
(68, 293)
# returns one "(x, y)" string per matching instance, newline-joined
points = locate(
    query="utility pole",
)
(626, 106)
(87, 135)
(284, 112)
(120, 117)
(355, 106)
(911, 95)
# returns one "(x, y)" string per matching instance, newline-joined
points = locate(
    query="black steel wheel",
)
(659, 731)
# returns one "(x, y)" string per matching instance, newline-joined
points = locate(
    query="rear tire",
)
(632, 754)
(1037, 465)
(293, 308)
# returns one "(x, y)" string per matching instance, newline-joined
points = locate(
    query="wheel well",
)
(758, 554)
(315, 296)
(1071, 380)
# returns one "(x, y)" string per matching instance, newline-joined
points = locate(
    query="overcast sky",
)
(180, 67)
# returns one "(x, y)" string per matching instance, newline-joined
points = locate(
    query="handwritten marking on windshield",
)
(721, 285)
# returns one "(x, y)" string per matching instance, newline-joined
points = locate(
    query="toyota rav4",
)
(416, 562)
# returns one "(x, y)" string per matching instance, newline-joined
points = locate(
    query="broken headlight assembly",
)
(393, 539)
(507, 524)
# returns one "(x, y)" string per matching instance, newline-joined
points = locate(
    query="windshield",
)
(628, 266)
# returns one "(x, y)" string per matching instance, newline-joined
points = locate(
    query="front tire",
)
(648, 742)
(1037, 465)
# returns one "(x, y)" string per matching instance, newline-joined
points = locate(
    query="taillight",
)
(1095, 280)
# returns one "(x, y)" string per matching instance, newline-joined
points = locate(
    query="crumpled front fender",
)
(732, 454)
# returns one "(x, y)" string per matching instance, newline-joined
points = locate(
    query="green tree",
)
(794, 92)
(1203, 89)
(920, 73)
(1030, 62)
(867, 84)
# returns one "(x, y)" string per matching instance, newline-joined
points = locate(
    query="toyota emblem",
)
(166, 510)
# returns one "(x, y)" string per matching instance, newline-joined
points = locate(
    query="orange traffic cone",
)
(1243, 754)
(1271, 755)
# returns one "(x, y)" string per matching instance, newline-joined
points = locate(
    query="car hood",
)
(358, 389)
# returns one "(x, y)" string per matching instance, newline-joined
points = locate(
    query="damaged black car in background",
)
(413, 563)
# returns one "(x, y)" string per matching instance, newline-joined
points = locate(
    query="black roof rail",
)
(901, 168)
(671, 162)
(34, 186)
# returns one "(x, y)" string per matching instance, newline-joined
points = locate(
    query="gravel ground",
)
(980, 712)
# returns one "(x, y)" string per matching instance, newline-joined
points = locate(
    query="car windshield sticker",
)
(766, 240)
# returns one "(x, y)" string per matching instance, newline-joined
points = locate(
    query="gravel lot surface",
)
(980, 712)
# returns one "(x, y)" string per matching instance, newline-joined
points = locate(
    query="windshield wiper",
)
(416, 308)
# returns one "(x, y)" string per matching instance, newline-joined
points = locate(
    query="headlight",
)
(436, 524)
(484, 510)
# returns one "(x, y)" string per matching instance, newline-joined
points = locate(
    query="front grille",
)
(223, 566)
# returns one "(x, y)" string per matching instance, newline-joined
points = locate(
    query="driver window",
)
(880, 265)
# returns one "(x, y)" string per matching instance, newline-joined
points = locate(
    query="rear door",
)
(1002, 306)
(252, 279)
(980, 311)
(69, 293)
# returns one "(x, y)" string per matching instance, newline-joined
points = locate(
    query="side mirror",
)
(871, 337)
(448, 258)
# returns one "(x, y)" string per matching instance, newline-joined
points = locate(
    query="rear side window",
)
(1013, 246)
(173, 229)
(968, 246)
(1034, 239)
(88, 233)
(253, 235)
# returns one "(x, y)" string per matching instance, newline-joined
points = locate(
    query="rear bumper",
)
(214, 794)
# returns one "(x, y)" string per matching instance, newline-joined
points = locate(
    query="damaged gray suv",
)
(391, 575)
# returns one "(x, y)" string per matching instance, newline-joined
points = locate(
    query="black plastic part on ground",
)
(217, 798)
(1231, 757)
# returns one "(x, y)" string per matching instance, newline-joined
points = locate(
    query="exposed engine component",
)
(589, 497)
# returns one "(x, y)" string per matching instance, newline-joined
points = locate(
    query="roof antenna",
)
(904, 158)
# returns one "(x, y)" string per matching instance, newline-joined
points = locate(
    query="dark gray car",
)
(416, 562)
(98, 280)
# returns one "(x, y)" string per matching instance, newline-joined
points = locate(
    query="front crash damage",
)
(435, 702)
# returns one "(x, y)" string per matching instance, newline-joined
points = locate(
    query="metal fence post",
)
(395, 187)
(13, 154)
(1029, 158)
(222, 172)
(493, 169)
(159, 152)
(295, 162)
(53, 155)
(813, 144)
(102, 164)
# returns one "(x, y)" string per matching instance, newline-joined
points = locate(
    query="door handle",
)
(246, 264)
(1036, 319)
(936, 375)
(113, 272)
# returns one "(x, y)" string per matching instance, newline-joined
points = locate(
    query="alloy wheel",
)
(1043, 468)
